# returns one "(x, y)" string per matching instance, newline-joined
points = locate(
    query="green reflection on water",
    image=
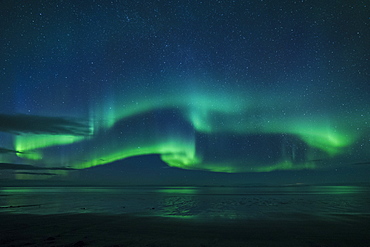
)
(34, 190)
(338, 189)
(10, 190)
(178, 216)
(318, 189)
(178, 190)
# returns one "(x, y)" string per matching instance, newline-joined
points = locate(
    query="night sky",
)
(184, 92)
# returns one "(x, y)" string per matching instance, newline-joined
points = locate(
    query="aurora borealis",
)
(214, 86)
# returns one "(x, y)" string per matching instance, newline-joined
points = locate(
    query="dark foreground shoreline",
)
(131, 230)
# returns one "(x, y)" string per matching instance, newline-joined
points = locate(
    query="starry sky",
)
(184, 92)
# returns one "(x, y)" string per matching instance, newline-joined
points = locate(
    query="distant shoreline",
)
(37, 184)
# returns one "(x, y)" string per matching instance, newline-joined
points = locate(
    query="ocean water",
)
(329, 202)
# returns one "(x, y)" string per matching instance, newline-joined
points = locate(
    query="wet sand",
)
(130, 230)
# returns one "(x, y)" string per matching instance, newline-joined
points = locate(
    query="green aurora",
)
(141, 127)
(222, 87)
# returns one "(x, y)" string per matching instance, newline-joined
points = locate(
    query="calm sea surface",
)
(190, 202)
